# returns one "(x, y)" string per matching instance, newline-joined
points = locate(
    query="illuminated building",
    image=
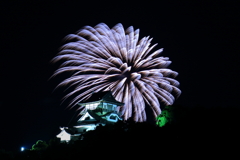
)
(101, 109)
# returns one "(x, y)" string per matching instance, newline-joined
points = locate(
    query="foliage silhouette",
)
(39, 146)
(199, 131)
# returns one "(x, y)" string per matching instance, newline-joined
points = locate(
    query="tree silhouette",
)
(39, 146)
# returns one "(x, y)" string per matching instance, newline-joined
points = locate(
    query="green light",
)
(161, 120)
(165, 117)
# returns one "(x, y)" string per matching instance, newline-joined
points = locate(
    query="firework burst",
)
(103, 59)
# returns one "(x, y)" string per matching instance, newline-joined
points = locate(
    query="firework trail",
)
(102, 59)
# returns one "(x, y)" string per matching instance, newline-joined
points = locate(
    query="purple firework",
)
(103, 59)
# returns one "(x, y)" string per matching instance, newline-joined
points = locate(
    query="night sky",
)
(201, 40)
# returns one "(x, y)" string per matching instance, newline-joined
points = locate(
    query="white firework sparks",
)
(115, 59)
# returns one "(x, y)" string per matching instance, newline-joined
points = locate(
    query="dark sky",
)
(201, 39)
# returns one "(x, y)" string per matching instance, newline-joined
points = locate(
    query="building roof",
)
(65, 130)
(96, 97)
(102, 96)
(92, 121)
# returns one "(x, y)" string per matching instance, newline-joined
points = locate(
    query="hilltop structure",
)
(100, 109)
